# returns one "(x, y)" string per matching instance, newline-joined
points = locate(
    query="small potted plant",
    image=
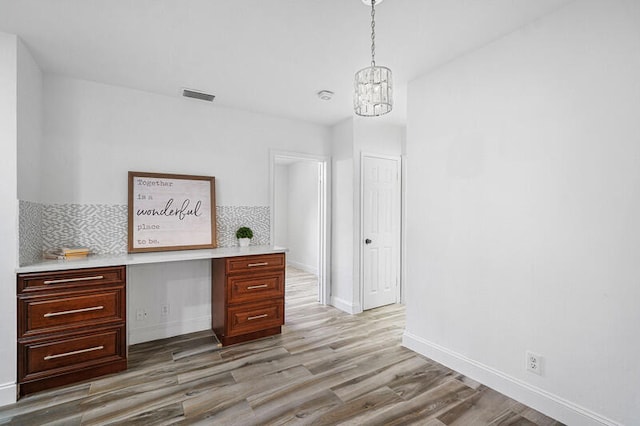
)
(244, 236)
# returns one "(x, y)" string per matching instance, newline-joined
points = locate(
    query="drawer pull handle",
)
(253, 287)
(75, 311)
(251, 265)
(81, 351)
(73, 280)
(257, 317)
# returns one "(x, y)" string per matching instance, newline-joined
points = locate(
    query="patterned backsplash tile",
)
(30, 232)
(230, 218)
(103, 227)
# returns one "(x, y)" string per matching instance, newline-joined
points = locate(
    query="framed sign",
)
(171, 212)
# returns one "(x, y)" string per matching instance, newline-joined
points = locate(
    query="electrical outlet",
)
(534, 363)
(164, 310)
(141, 314)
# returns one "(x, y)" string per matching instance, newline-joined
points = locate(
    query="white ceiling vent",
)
(189, 93)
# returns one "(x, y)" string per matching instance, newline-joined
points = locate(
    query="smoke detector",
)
(325, 95)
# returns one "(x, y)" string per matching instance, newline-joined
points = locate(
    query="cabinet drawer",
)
(73, 352)
(57, 311)
(255, 263)
(255, 288)
(59, 280)
(248, 318)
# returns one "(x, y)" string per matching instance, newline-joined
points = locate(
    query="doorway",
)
(380, 230)
(300, 213)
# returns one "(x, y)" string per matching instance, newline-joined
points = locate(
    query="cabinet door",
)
(70, 279)
(250, 317)
(251, 264)
(46, 358)
(255, 288)
(55, 312)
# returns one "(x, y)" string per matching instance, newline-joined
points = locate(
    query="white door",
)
(381, 230)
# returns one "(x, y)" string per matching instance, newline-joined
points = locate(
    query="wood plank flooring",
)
(326, 368)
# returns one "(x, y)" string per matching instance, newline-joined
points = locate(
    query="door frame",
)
(324, 213)
(400, 240)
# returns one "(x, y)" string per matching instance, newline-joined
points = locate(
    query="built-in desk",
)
(72, 313)
(97, 261)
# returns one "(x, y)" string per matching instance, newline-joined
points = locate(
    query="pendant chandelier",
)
(373, 94)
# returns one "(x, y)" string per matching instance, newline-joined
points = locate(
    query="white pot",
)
(244, 242)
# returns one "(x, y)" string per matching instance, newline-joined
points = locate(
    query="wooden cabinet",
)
(247, 297)
(71, 326)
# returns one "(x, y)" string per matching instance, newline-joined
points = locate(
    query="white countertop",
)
(100, 260)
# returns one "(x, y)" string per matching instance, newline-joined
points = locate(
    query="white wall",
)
(303, 216)
(185, 287)
(281, 205)
(9, 222)
(20, 136)
(95, 133)
(29, 125)
(342, 260)
(523, 205)
(378, 137)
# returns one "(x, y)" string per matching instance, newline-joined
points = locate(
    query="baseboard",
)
(345, 306)
(547, 403)
(8, 393)
(168, 329)
(307, 268)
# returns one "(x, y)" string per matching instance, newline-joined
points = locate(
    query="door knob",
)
(367, 241)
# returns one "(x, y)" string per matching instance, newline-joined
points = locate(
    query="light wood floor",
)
(327, 367)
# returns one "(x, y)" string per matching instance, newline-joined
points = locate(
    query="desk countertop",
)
(100, 260)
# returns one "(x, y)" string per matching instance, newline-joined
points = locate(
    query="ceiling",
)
(266, 56)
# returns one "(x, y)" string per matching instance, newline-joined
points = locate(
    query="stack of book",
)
(68, 253)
